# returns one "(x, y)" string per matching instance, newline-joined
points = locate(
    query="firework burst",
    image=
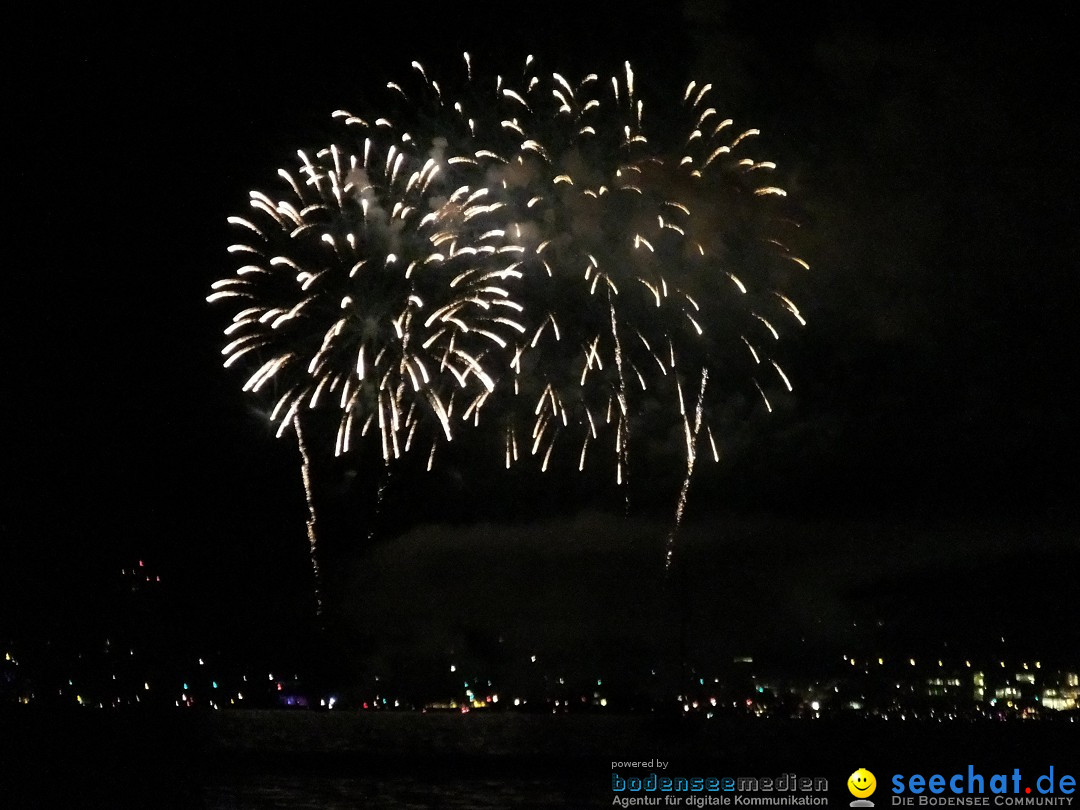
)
(376, 287)
(654, 266)
(565, 255)
(373, 289)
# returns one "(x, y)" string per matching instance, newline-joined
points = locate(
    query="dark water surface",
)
(307, 759)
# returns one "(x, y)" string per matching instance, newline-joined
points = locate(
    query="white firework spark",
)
(558, 254)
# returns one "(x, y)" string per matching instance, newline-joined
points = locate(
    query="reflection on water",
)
(333, 793)
(252, 759)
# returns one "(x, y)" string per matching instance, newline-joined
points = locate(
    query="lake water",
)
(308, 759)
(332, 793)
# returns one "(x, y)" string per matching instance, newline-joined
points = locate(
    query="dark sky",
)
(934, 159)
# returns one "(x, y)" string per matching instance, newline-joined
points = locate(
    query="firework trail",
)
(305, 473)
(691, 433)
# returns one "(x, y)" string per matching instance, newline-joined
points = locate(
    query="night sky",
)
(923, 475)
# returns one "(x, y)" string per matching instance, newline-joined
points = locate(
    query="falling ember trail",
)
(691, 455)
(380, 494)
(305, 471)
(623, 474)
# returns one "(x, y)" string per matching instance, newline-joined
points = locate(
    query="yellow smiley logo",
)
(861, 783)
